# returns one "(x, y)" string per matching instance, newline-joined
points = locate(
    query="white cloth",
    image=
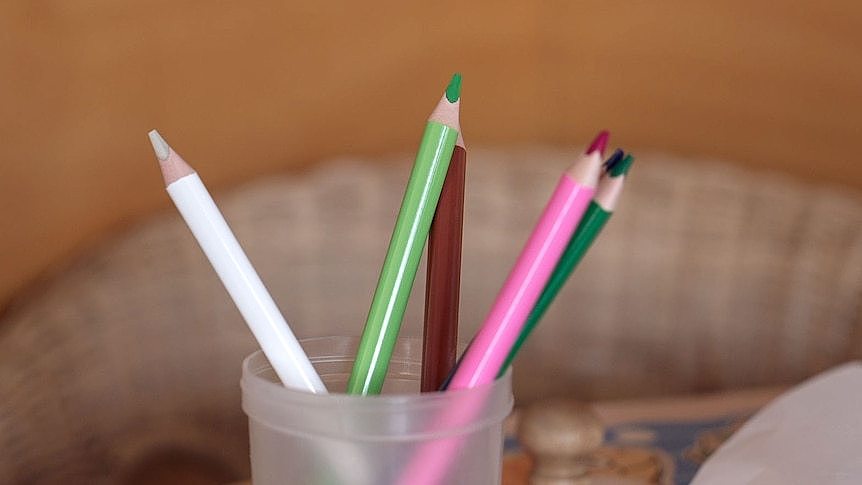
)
(811, 435)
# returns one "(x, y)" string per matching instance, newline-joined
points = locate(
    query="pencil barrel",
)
(490, 347)
(402, 259)
(244, 285)
(589, 227)
(443, 279)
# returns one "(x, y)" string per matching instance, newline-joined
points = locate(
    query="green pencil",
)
(597, 214)
(406, 245)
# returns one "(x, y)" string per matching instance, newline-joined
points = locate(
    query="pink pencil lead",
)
(600, 143)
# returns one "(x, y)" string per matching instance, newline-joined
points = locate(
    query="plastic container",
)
(307, 439)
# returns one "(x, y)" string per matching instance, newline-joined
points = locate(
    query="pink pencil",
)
(491, 345)
(488, 351)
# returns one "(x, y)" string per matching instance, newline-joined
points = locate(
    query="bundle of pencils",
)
(432, 209)
(485, 356)
(597, 214)
(576, 212)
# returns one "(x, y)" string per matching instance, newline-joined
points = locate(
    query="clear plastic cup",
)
(308, 439)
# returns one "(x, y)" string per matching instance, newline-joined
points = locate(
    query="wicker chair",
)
(708, 278)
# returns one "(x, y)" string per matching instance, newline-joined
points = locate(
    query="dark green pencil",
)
(597, 214)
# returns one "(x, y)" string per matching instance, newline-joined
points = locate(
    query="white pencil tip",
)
(160, 146)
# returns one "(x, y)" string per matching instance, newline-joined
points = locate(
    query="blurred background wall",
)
(248, 88)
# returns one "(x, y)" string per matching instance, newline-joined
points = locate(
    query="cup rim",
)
(263, 398)
(251, 381)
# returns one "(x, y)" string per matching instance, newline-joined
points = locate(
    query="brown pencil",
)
(443, 283)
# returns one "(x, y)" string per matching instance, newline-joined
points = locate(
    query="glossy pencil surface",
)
(489, 348)
(405, 249)
(236, 272)
(443, 279)
(499, 332)
(595, 218)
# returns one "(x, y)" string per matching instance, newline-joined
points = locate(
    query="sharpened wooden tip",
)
(447, 113)
(173, 166)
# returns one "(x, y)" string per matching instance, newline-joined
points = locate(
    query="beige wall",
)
(247, 88)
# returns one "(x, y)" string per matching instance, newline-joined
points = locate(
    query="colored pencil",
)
(406, 245)
(235, 270)
(443, 277)
(499, 332)
(599, 211)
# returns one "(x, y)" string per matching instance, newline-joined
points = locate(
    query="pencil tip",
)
(160, 146)
(621, 167)
(599, 143)
(453, 91)
(613, 159)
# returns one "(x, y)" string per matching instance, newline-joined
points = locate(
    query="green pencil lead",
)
(453, 91)
(622, 167)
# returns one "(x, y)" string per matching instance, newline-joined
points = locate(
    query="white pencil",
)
(235, 271)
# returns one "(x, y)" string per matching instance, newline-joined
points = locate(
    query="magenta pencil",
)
(489, 348)
(491, 345)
